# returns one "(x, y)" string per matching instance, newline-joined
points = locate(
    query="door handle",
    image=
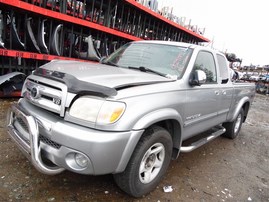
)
(217, 92)
(224, 92)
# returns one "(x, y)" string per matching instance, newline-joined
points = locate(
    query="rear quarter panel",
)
(243, 93)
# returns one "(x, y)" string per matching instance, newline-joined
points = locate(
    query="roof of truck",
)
(176, 43)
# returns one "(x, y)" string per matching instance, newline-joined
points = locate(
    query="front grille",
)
(49, 142)
(47, 96)
(45, 84)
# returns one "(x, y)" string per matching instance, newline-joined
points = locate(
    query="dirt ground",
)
(223, 170)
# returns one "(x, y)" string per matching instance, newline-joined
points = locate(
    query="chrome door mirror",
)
(197, 78)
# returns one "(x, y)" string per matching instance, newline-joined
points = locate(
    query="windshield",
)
(167, 59)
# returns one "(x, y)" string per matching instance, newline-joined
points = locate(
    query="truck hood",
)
(82, 75)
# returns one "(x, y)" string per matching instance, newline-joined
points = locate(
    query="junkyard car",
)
(130, 114)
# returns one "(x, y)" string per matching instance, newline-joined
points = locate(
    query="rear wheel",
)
(233, 128)
(148, 163)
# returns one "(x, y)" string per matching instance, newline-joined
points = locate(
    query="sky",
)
(233, 26)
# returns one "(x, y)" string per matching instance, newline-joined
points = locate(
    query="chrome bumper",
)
(30, 146)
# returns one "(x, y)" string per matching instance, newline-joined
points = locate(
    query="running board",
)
(217, 131)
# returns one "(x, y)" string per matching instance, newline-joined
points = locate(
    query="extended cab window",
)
(223, 67)
(205, 61)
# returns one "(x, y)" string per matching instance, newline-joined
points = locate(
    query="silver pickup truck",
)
(130, 114)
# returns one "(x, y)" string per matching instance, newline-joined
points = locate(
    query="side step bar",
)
(215, 132)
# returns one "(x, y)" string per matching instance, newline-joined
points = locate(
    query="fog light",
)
(81, 160)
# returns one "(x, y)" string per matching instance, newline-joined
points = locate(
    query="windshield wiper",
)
(145, 69)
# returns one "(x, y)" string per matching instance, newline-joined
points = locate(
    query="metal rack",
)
(36, 31)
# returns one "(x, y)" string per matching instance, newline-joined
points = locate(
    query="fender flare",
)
(41, 38)
(239, 106)
(92, 52)
(56, 45)
(30, 37)
(16, 41)
(143, 123)
(162, 115)
(157, 116)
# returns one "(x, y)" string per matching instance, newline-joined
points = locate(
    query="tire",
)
(233, 128)
(147, 164)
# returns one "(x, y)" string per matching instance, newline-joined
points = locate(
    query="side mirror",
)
(197, 78)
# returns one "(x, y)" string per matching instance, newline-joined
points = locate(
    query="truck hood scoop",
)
(74, 85)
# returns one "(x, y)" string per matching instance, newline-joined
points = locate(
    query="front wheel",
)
(233, 128)
(148, 163)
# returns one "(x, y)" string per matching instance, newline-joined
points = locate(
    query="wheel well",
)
(245, 108)
(173, 127)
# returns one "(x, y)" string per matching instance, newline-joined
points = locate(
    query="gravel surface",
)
(222, 170)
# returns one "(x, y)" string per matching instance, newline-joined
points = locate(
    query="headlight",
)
(96, 110)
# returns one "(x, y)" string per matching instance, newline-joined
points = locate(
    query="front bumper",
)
(43, 136)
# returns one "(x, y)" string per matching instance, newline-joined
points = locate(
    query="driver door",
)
(201, 109)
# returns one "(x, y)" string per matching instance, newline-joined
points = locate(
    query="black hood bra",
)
(75, 85)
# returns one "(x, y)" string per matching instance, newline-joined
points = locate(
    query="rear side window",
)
(205, 61)
(223, 67)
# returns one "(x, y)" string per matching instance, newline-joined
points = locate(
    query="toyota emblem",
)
(34, 92)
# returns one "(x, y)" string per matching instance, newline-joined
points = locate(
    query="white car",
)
(254, 78)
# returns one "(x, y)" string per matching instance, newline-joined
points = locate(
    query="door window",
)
(223, 67)
(205, 61)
